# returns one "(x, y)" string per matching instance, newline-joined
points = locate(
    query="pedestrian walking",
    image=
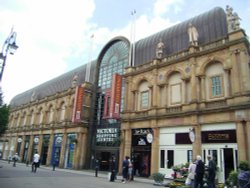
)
(199, 172)
(9, 158)
(35, 163)
(125, 169)
(211, 172)
(112, 169)
(130, 170)
(191, 172)
(15, 159)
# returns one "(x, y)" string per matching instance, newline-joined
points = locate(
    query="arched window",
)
(143, 96)
(18, 120)
(50, 114)
(24, 119)
(40, 116)
(175, 89)
(215, 81)
(32, 119)
(62, 111)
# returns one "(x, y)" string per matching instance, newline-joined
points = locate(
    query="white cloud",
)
(50, 37)
(46, 32)
(162, 7)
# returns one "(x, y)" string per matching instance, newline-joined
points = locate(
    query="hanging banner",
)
(78, 103)
(115, 104)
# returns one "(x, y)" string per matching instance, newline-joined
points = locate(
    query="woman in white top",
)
(191, 172)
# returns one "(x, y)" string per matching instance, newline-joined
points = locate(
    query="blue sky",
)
(54, 36)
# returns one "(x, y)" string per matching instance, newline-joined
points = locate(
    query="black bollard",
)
(96, 168)
(54, 166)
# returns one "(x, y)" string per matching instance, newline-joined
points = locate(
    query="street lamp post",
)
(9, 47)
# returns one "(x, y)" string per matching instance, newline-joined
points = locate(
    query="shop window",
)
(214, 154)
(162, 165)
(190, 156)
(170, 156)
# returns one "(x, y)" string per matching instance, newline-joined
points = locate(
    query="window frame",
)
(220, 85)
(142, 100)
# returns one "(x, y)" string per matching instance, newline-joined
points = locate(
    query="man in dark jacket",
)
(199, 172)
(211, 172)
(125, 169)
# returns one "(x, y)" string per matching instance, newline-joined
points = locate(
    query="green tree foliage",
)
(4, 115)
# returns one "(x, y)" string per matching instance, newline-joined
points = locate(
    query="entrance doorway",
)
(225, 159)
(228, 156)
(141, 163)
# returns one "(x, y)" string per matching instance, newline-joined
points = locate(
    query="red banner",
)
(78, 103)
(115, 103)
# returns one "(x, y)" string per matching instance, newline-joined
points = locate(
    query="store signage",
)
(19, 140)
(142, 142)
(78, 103)
(36, 140)
(223, 136)
(141, 131)
(192, 135)
(58, 140)
(142, 137)
(150, 137)
(106, 135)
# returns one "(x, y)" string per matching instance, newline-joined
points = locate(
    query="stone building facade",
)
(53, 119)
(181, 92)
(190, 101)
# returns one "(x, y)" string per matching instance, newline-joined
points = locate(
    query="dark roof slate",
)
(211, 26)
(51, 87)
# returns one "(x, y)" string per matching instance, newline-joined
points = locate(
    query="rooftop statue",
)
(159, 49)
(193, 35)
(233, 20)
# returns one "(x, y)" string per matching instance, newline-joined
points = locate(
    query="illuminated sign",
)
(106, 135)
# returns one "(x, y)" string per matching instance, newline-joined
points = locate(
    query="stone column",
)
(235, 73)
(125, 147)
(193, 84)
(203, 88)
(22, 148)
(248, 140)
(228, 79)
(166, 96)
(126, 95)
(197, 145)
(155, 151)
(241, 140)
(62, 153)
(244, 70)
(82, 144)
(40, 144)
(51, 140)
(29, 157)
(135, 101)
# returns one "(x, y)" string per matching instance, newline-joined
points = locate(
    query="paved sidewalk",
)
(101, 174)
